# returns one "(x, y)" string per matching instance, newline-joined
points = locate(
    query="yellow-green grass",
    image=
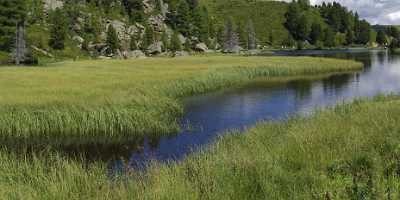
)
(348, 152)
(106, 101)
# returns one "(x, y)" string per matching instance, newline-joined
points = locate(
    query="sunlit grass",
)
(110, 100)
(347, 152)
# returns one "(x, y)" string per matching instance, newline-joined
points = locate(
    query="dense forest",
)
(49, 29)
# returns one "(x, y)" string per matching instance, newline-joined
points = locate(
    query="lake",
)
(211, 115)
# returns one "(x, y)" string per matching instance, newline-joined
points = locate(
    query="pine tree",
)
(135, 9)
(20, 51)
(316, 33)
(188, 46)
(242, 39)
(112, 39)
(175, 43)
(133, 45)
(58, 30)
(349, 37)
(148, 37)
(12, 12)
(183, 18)
(165, 42)
(231, 38)
(251, 35)
(329, 40)
(381, 38)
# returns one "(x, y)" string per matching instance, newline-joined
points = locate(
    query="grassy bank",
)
(348, 152)
(105, 101)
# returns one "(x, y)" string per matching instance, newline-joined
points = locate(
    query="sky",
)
(385, 12)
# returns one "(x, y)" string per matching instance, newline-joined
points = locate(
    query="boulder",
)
(53, 4)
(182, 38)
(155, 48)
(181, 53)
(201, 47)
(134, 54)
(235, 49)
(157, 21)
(78, 39)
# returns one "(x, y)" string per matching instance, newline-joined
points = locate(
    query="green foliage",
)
(175, 43)
(12, 13)
(329, 40)
(112, 39)
(135, 10)
(165, 41)
(381, 38)
(316, 33)
(266, 15)
(58, 30)
(148, 37)
(110, 101)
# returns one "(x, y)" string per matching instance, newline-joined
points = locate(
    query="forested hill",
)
(135, 28)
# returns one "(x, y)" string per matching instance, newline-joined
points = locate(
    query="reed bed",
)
(108, 101)
(347, 152)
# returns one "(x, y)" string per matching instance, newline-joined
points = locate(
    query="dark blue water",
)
(213, 114)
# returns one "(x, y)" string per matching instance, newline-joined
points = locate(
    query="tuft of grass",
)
(350, 151)
(108, 101)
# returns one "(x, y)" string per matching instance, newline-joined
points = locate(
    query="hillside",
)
(267, 16)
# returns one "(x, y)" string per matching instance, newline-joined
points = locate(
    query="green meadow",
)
(97, 101)
(347, 152)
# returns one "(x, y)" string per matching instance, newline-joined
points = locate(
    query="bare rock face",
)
(134, 54)
(181, 53)
(53, 4)
(155, 48)
(157, 21)
(148, 6)
(201, 47)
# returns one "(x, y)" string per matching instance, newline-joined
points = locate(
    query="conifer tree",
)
(242, 39)
(133, 45)
(12, 12)
(112, 39)
(251, 35)
(58, 30)
(183, 18)
(349, 37)
(381, 38)
(148, 37)
(175, 43)
(165, 42)
(231, 38)
(316, 33)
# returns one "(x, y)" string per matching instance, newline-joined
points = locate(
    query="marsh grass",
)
(350, 151)
(108, 101)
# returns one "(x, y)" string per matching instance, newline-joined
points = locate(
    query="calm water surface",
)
(213, 114)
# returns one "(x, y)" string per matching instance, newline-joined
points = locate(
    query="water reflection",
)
(217, 112)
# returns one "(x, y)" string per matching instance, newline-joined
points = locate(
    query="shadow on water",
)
(213, 114)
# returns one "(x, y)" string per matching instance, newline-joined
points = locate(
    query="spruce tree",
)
(381, 38)
(316, 33)
(231, 38)
(329, 40)
(133, 45)
(251, 35)
(58, 30)
(175, 44)
(13, 12)
(148, 37)
(349, 37)
(112, 39)
(165, 42)
(183, 18)
(242, 39)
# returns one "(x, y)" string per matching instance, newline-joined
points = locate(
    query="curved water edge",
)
(213, 114)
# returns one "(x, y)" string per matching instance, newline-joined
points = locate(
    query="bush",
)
(4, 58)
